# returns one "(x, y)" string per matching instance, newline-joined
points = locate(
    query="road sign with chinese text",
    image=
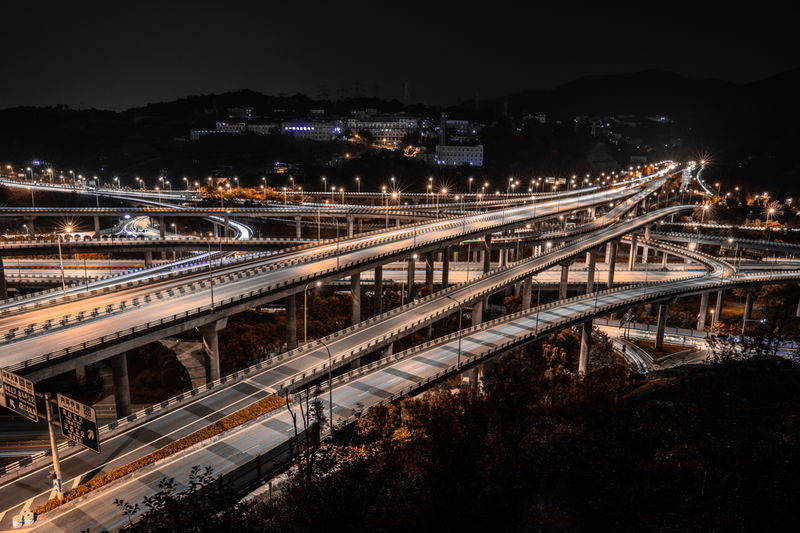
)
(78, 422)
(19, 394)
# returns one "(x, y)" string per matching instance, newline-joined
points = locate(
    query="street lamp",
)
(68, 229)
(358, 183)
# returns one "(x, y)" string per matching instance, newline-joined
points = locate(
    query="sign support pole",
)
(53, 448)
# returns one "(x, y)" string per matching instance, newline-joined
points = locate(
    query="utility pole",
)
(53, 449)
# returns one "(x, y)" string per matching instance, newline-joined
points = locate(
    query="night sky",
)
(118, 54)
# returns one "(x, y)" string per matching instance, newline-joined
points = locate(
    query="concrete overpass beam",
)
(701, 315)
(355, 296)
(586, 346)
(662, 322)
(122, 386)
(377, 301)
(291, 322)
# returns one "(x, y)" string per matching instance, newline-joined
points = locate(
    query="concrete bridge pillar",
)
(586, 346)
(31, 223)
(411, 276)
(607, 258)
(355, 295)
(750, 299)
(562, 287)
(718, 307)
(298, 227)
(429, 258)
(664, 258)
(633, 252)
(3, 284)
(96, 225)
(477, 312)
(611, 259)
(527, 293)
(350, 226)
(591, 263)
(377, 301)
(80, 374)
(661, 325)
(701, 315)
(162, 227)
(291, 322)
(446, 267)
(487, 253)
(148, 258)
(122, 386)
(210, 336)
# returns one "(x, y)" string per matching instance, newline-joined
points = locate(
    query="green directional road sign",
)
(19, 395)
(78, 422)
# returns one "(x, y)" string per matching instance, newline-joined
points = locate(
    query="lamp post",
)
(460, 331)
(358, 184)
(330, 384)
(68, 229)
(210, 273)
(305, 310)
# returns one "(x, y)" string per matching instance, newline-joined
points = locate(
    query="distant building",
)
(454, 156)
(315, 130)
(240, 112)
(235, 128)
(385, 130)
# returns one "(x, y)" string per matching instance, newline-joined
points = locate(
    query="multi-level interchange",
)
(87, 319)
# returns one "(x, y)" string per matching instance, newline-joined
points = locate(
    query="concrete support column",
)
(31, 221)
(607, 257)
(210, 337)
(664, 258)
(586, 346)
(662, 323)
(411, 276)
(3, 284)
(291, 322)
(122, 387)
(446, 267)
(701, 315)
(96, 225)
(80, 374)
(562, 287)
(718, 307)
(487, 253)
(429, 257)
(611, 258)
(632, 253)
(378, 299)
(527, 293)
(592, 261)
(349, 226)
(298, 227)
(477, 312)
(748, 304)
(162, 227)
(355, 294)
(148, 258)
(645, 253)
